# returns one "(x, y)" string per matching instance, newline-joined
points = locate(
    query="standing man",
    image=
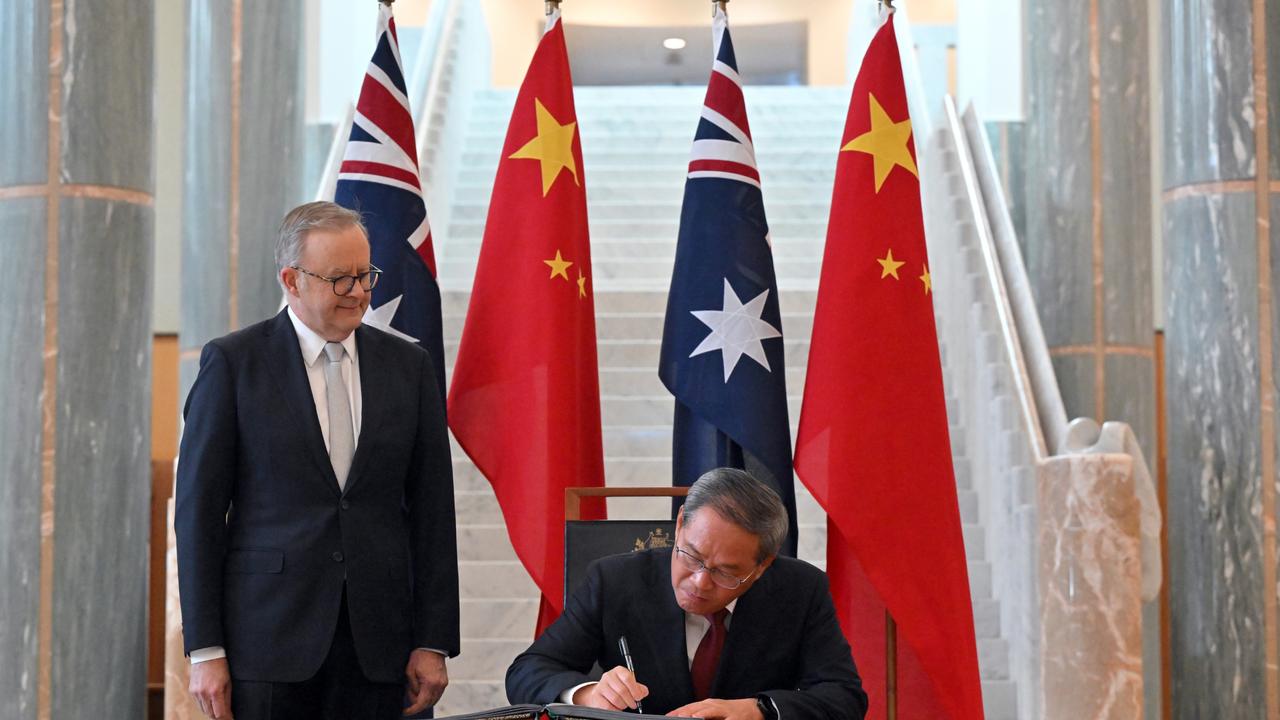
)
(718, 627)
(317, 560)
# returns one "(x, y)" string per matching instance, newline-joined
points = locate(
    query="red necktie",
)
(707, 658)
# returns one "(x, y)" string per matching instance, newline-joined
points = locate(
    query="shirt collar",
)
(312, 345)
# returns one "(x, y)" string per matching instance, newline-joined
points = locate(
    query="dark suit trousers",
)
(338, 691)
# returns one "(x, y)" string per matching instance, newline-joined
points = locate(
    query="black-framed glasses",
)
(719, 577)
(344, 284)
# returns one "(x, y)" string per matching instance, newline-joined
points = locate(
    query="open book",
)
(554, 711)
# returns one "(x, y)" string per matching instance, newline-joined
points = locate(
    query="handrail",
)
(1044, 381)
(1004, 313)
(431, 94)
(333, 160)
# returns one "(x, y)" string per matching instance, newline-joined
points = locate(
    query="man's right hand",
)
(211, 687)
(617, 690)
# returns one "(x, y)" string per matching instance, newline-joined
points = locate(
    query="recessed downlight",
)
(674, 43)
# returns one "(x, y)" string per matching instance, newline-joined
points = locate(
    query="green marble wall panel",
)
(24, 95)
(21, 376)
(103, 464)
(1214, 513)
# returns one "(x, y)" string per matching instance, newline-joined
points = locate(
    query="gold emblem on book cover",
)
(658, 538)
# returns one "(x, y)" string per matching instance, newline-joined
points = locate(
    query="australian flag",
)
(379, 179)
(722, 353)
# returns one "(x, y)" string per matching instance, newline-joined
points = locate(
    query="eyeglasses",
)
(344, 284)
(719, 577)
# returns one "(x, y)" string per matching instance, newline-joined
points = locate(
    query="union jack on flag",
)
(379, 179)
(722, 352)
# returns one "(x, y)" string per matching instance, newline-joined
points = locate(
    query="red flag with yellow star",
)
(525, 399)
(872, 444)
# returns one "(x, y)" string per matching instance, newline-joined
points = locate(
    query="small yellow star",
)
(886, 142)
(559, 266)
(889, 266)
(582, 285)
(927, 279)
(552, 146)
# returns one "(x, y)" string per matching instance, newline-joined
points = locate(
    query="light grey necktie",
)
(342, 438)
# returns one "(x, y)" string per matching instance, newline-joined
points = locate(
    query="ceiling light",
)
(673, 43)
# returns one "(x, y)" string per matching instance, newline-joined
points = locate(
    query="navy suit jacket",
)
(784, 641)
(267, 541)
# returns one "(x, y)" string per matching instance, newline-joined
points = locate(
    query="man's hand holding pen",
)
(617, 690)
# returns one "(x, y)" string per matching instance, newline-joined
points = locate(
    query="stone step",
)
(968, 501)
(644, 353)
(979, 580)
(667, 192)
(658, 270)
(494, 579)
(999, 700)
(602, 154)
(488, 659)
(658, 229)
(512, 619)
(993, 659)
(975, 541)
(454, 302)
(986, 618)
(630, 209)
(465, 696)
(821, 174)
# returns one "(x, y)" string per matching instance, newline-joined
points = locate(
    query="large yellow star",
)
(886, 141)
(889, 266)
(559, 266)
(927, 279)
(552, 146)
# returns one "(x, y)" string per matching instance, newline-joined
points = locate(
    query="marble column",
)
(75, 355)
(1219, 204)
(245, 154)
(1087, 205)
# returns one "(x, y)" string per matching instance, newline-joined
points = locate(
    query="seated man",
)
(718, 627)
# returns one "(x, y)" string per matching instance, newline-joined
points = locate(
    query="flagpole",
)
(552, 6)
(890, 667)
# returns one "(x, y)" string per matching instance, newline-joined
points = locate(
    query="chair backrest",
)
(588, 540)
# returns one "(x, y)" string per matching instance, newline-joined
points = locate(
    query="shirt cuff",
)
(208, 653)
(566, 697)
(434, 650)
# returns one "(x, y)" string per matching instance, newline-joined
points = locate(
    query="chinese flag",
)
(525, 397)
(872, 444)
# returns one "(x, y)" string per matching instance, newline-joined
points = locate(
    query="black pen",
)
(625, 649)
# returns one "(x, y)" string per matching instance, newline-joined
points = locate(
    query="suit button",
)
(337, 557)
(344, 505)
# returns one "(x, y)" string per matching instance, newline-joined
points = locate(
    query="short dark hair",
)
(744, 501)
(319, 215)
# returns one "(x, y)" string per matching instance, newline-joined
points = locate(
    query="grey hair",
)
(744, 501)
(320, 215)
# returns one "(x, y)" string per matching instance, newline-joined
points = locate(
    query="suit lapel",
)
(373, 386)
(667, 620)
(284, 357)
(747, 643)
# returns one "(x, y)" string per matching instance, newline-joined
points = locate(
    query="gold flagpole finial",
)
(552, 6)
(887, 5)
(719, 5)
(386, 2)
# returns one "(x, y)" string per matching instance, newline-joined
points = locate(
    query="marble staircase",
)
(635, 145)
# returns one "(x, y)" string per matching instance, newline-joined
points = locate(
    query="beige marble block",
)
(178, 704)
(1090, 585)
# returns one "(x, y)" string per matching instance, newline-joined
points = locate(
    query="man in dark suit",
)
(317, 559)
(718, 626)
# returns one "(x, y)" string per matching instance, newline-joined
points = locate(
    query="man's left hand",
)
(713, 709)
(427, 679)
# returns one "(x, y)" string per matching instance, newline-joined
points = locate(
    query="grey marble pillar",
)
(75, 356)
(1219, 335)
(1087, 205)
(245, 155)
